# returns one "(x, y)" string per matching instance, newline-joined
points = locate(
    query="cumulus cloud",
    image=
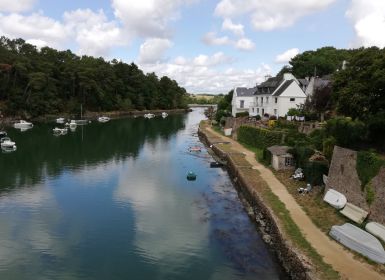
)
(200, 75)
(244, 44)
(216, 59)
(93, 32)
(368, 17)
(272, 14)
(286, 56)
(211, 38)
(16, 6)
(153, 49)
(148, 18)
(34, 28)
(237, 29)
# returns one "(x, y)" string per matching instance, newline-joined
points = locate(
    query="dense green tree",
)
(35, 82)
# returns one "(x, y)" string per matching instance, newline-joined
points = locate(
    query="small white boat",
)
(71, 124)
(60, 131)
(359, 240)
(60, 120)
(149, 116)
(335, 199)
(164, 115)
(6, 143)
(103, 119)
(23, 124)
(376, 229)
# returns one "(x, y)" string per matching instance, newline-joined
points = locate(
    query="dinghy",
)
(335, 199)
(376, 229)
(359, 240)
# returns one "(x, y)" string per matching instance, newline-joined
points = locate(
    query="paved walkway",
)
(333, 253)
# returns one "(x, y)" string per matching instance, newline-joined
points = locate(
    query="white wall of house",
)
(292, 97)
(241, 103)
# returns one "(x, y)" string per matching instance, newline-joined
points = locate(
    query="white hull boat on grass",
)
(360, 241)
(335, 199)
(376, 229)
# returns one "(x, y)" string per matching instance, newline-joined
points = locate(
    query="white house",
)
(275, 97)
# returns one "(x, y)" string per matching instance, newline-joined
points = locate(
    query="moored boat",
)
(60, 120)
(7, 143)
(60, 131)
(149, 116)
(22, 124)
(164, 115)
(103, 119)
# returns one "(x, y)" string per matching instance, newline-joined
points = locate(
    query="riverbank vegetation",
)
(35, 82)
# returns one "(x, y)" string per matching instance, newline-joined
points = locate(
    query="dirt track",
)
(332, 252)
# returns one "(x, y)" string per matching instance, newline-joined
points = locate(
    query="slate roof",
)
(278, 150)
(269, 86)
(242, 91)
(304, 82)
(282, 88)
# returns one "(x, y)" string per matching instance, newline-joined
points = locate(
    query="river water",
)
(111, 201)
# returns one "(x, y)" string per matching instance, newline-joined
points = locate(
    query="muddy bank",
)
(5, 121)
(296, 265)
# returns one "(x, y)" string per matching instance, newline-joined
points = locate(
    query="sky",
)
(207, 46)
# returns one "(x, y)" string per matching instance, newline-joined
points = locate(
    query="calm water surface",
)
(111, 201)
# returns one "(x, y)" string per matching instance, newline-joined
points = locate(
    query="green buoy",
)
(191, 176)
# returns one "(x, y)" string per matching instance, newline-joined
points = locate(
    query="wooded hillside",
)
(47, 81)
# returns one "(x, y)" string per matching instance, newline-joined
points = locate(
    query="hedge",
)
(242, 114)
(259, 137)
(314, 170)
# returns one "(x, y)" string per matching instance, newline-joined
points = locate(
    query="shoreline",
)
(294, 263)
(88, 115)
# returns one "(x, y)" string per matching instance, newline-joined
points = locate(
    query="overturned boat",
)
(359, 241)
(335, 199)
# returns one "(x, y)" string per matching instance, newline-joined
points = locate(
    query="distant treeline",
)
(35, 82)
(205, 99)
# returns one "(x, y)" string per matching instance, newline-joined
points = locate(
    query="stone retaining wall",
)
(296, 265)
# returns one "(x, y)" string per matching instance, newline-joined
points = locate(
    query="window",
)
(263, 111)
(242, 105)
(252, 109)
(267, 100)
(276, 100)
(261, 100)
(292, 99)
(289, 161)
(275, 112)
(257, 110)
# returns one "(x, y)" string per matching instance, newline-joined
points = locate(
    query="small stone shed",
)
(281, 159)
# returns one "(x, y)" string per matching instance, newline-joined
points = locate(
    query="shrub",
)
(370, 193)
(273, 118)
(242, 114)
(317, 138)
(258, 117)
(376, 128)
(266, 156)
(368, 166)
(259, 137)
(301, 155)
(220, 114)
(313, 171)
(348, 133)
(328, 147)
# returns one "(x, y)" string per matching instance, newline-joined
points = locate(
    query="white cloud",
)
(368, 17)
(16, 6)
(153, 49)
(34, 28)
(93, 32)
(211, 39)
(203, 75)
(245, 44)
(237, 29)
(286, 56)
(148, 18)
(272, 14)
(216, 59)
